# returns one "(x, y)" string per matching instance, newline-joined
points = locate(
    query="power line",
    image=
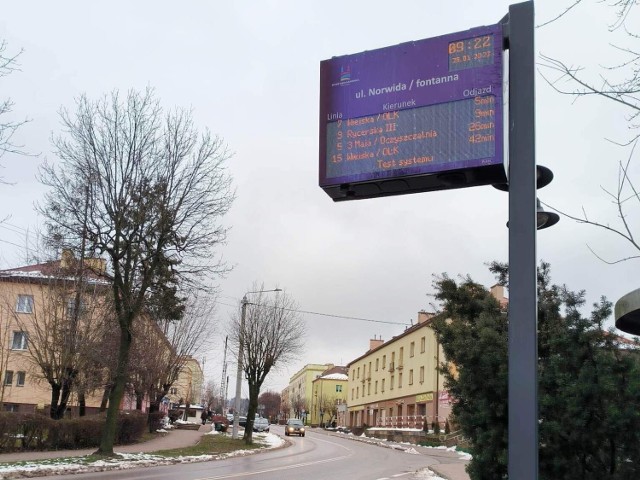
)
(360, 319)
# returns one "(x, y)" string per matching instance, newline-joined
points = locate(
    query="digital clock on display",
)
(470, 53)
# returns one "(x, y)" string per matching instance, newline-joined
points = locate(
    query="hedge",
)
(33, 431)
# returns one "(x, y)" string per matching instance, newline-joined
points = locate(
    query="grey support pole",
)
(523, 306)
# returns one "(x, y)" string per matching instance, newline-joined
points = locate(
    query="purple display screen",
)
(417, 108)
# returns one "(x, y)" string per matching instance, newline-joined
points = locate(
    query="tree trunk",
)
(55, 398)
(117, 393)
(139, 400)
(82, 404)
(67, 383)
(254, 391)
(154, 408)
(105, 397)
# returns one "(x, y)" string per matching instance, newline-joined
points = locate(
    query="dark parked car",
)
(294, 426)
(261, 424)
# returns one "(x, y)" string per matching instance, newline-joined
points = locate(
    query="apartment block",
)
(396, 384)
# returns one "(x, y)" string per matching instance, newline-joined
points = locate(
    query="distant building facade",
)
(329, 396)
(38, 307)
(397, 384)
(300, 390)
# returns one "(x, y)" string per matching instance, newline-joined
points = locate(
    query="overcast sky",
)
(250, 71)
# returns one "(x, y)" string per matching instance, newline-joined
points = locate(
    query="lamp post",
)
(236, 406)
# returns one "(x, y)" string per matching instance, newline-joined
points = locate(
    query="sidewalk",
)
(175, 438)
(451, 466)
(451, 471)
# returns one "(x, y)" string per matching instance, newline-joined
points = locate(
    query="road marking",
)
(288, 467)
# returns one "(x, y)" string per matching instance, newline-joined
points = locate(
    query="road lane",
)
(317, 456)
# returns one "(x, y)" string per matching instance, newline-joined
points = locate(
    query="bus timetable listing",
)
(435, 134)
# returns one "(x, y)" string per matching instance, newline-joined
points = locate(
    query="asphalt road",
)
(317, 456)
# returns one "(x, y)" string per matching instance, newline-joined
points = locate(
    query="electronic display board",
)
(419, 116)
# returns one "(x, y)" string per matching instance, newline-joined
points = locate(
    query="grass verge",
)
(212, 445)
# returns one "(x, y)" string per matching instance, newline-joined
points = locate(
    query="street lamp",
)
(236, 407)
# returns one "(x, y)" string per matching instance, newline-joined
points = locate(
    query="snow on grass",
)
(124, 461)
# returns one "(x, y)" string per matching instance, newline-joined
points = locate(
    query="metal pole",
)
(523, 307)
(236, 407)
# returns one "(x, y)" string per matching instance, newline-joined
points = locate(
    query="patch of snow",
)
(426, 474)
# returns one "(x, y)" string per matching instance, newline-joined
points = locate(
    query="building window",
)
(376, 387)
(358, 373)
(423, 344)
(384, 362)
(10, 407)
(8, 377)
(400, 380)
(377, 363)
(173, 391)
(352, 393)
(383, 385)
(421, 374)
(369, 369)
(338, 388)
(391, 383)
(412, 348)
(71, 307)
(368, 389)
(411, 377)
(401, 356)
(25, 304)
(20, 379)
(19, 341)
(357, 392)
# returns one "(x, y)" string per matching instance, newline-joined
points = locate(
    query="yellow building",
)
(329, 392)
(396, 384)
(38, 322)
(300, 390)
(37, 305)
(188, 387)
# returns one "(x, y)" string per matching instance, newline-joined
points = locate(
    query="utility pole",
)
(223, 386)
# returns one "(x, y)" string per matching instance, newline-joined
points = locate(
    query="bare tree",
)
(154, 190)
(162, 347)
(8, 64)
(272, 335)
(580, 83)
(271, 403)
(64, 328)
(211, 397)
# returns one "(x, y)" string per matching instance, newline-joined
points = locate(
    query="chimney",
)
(96, 264)
(425, 316)
(66, 259)
(375, 343)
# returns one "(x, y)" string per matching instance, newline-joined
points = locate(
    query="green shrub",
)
(28, 431)
(131, 427)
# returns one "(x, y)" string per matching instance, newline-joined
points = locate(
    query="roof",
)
(407, 331)
(335, 376)
(50, 271)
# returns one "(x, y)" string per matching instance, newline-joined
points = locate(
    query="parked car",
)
(261, 424)
(294, 426)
